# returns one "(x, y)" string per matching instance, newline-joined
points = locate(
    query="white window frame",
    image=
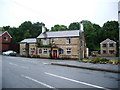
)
(68, 50)
(23, 51)
(44, 50)
(68, 41)
(6, 38)
(45, 42)
(110, 44)
(104, 45)
(32, 49)
(52, 40)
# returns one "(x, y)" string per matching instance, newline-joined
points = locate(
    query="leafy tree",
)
(58, 28)
(74, 26)
(110, 30)
(25, 30)
(6, 28)
(89, 34)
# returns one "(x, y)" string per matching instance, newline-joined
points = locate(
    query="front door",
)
(54, 53)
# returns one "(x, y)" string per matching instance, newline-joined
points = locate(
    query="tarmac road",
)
(20, 72)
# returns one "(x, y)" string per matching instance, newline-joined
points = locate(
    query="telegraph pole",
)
(81, 42)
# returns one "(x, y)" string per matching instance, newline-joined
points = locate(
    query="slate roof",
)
(2, 32)
(70, 33)
(108, 40)
(29, 40)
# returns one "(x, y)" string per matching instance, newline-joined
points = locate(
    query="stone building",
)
(61, 44)
(28, 47)
(108, 48)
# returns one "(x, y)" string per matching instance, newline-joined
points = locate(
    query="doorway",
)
(55, 54)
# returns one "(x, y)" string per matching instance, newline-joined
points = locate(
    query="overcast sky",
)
(51, 12)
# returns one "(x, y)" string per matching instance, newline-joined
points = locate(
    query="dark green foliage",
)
(74, 26)
(25, 30)
(99, 60)
(59, 28)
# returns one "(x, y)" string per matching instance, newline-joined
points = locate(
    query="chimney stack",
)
(43, 29)
(81, 26)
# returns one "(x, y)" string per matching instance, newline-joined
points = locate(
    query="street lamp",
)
(81, 32)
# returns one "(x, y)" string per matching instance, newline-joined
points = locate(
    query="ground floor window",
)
(111, 51)
(40, 51)
(32, 50)
(104, 51)
(61, 51)
(68, 51)
(23, 51)
(44, 51)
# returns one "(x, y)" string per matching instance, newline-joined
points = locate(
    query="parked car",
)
(10, 53)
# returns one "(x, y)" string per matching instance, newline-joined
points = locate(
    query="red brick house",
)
(5, 40)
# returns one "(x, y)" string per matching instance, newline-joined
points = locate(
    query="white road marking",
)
(18, 65)
(13, 64)
(29, 61)
(38, 82)
(24, 67)
(76, 81)
(45, 63)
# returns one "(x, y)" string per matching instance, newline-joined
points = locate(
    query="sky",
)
(52, 12)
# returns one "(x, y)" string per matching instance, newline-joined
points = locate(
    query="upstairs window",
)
(104, 52)
(6, 38)
(111, 51)
(23, 51)
(52, 40)
(68, 41)
(44, 42)
(68, 51)
(111, 45)
(104, 45)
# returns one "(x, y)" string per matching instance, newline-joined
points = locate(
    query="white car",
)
(10, 53)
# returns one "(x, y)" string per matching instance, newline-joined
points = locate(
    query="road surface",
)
(21, 72)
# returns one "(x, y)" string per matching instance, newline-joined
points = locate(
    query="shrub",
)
(85, 60)
(99, 60)
(114, 61)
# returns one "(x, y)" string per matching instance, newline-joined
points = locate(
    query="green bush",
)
(99, 60)
(114, 61)
(104, 59)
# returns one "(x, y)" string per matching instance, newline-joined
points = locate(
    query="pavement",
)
(99, 67)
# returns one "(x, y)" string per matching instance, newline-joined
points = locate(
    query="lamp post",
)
(81, 50)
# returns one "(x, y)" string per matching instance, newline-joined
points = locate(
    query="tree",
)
(36, 29)
(74, 26)
(6, 28)
(89, 34)
(58, 28)
(110, 30)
